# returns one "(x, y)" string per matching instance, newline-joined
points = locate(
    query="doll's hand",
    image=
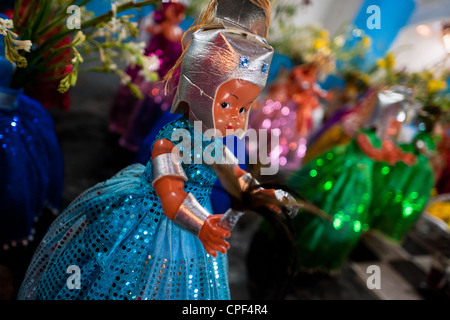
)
(285, 198)
(212, 236)
(270, 192)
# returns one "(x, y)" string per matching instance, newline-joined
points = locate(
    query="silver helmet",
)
(219, 53)
(396, 102)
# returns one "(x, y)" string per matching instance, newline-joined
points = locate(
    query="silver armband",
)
(288, 201)
(167, 164)
(191, 215)
(245, 181)
(230, 219)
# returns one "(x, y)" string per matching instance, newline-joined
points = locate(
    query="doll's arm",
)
(324, 94)
(246, 179)
(181, 207)
(368, 149)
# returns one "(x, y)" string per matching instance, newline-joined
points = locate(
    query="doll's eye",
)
(242, 111)
(224, 105)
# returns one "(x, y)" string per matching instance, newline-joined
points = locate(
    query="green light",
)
(337, 223)
(313, 173)
(398, 198)
(319, 162)
(414, 195)
(330, 156)
(328, 185)
(357, 226)
(407, 211)
(360, 208)
(385, 170)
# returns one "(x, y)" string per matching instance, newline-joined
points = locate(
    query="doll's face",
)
(231, 105)
(175, 13)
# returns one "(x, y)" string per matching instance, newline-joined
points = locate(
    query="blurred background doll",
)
(306, 93)
(344, 116)
(147, 233)
(342, 183)
(287, 111)
(403, 181)
(133, 118)
(31, 170)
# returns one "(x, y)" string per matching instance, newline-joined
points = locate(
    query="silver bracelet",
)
(167, 164)
(288, 201)
(191, 215)
(245, 181)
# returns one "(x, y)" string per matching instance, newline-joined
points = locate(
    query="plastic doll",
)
(130, 117)
(287, 109)
(147, 233)
(306, 93)
(342, 182)
(402, 183)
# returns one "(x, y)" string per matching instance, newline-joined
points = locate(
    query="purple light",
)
(285, 111)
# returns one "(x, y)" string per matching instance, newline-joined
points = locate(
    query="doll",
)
(341, 126)
(306, 93)
(130, 117)
(343, 182)
(147, 233)
(287, 110)
(403, 181)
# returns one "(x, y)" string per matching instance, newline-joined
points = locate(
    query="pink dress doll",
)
(130, 117)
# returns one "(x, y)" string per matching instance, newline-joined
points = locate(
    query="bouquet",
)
(48, 40)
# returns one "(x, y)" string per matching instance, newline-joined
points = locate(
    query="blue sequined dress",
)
(124, 245)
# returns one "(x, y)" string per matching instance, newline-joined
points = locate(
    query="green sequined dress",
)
(339, 183)
(401, 192)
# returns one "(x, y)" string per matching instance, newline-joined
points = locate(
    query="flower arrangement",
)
(48, 44)
(430, 85)
(309, 43)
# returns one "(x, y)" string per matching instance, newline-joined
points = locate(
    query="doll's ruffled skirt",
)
(113, 242)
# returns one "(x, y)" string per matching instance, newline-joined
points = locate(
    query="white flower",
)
(149, 67)
(137, 47)
(125, 79)
(8, 23)
(151, 63)
(123, 34)
(23, 44)
(114, 24)
(2, 30)
(114, 9)
(99, 33)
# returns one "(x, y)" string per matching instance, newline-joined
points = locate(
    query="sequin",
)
(339, 183)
